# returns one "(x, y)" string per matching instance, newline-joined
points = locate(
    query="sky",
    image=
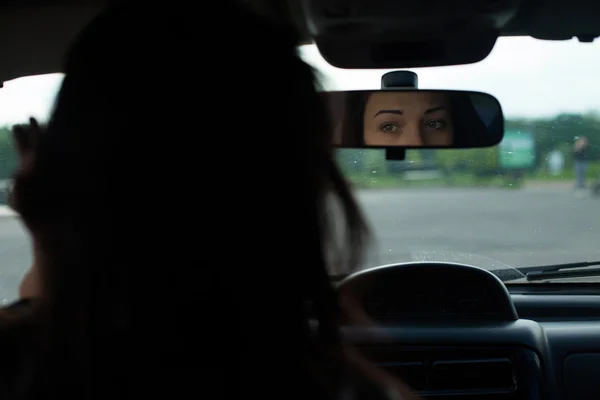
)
(31, 96)
(530, 78)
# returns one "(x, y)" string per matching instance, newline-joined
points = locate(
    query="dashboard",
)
(465, 335)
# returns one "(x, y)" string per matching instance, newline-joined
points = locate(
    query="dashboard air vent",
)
(475, 374)
(478, 373)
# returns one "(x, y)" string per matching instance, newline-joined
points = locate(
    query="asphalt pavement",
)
(15, 255)
(491, 228)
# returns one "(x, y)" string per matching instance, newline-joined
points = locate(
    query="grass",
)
(381, 180)
(397, 182)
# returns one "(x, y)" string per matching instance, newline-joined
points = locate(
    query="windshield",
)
(470, 206)
(479, 206)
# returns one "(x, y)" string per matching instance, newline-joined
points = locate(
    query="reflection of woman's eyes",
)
(388, 128)
(436, 124)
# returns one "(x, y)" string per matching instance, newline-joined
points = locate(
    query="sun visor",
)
(402, 34)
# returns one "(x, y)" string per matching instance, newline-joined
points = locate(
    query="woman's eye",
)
(436, 124)
(388, 128)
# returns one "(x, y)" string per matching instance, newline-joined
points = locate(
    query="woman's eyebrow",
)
(434, 109)
(397, 112)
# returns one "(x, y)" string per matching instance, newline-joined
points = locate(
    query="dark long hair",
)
(215, 267)
(351, 126)
(465, 118)
(472, 131)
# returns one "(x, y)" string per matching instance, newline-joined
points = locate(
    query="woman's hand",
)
(353, 313)
(26, 139)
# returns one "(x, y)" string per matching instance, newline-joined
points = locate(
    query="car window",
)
(20, 99)
(515, 205)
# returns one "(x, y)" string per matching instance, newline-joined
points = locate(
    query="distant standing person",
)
(580, 157)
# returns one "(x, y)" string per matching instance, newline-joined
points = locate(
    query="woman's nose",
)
(412, 135)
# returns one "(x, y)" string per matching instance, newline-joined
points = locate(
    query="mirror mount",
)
(395, 80)
(395, 154)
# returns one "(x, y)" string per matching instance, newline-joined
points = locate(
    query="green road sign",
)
(517, 150)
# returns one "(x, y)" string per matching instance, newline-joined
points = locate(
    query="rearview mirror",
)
(415, 119)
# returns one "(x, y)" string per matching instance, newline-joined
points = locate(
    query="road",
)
(486, 227)
(15, 256)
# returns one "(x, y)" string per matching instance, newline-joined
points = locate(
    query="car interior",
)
(450, 330)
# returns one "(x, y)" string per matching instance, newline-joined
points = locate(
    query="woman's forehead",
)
(405, 99)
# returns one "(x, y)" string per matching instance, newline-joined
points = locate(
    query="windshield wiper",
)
(568, 270)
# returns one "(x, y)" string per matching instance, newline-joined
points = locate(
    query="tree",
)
(8, 154)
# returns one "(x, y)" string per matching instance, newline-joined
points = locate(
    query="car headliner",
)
(34, 34)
